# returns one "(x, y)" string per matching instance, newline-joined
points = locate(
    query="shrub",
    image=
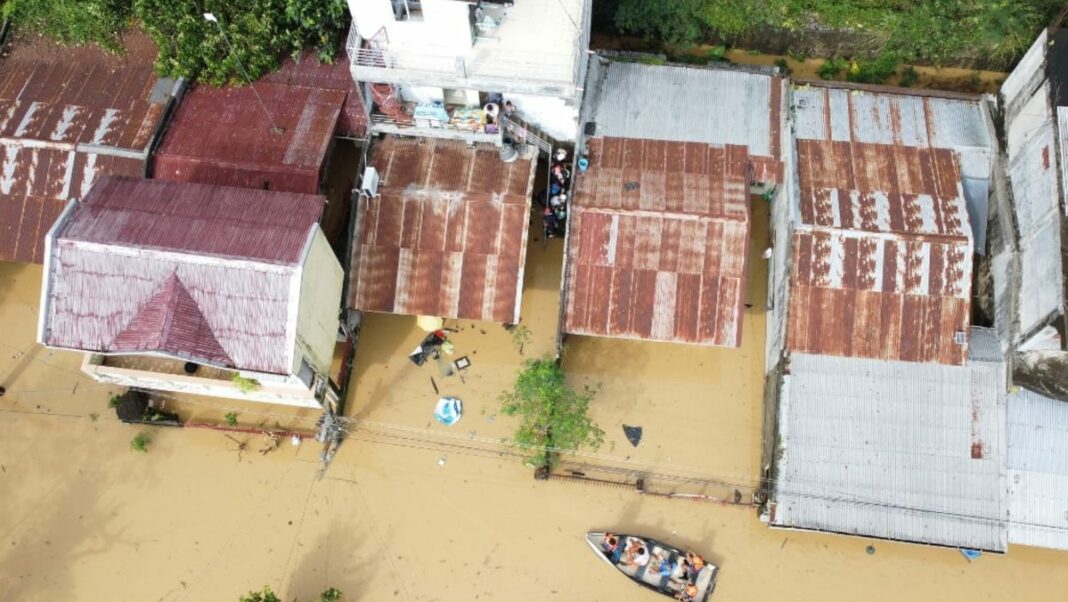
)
(264, 595)
(784, 66)
(140, 442)
(873, 72)
(231, 418)
(909, 77)
(245, 384)
(832, 67)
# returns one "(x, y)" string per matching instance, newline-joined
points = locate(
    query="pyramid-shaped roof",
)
(171, 322)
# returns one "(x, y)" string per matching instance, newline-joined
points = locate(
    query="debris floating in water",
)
(633, 433)
(970, 554)
(870, 550)
(449, 410)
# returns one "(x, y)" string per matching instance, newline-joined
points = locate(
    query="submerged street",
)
(410, 509)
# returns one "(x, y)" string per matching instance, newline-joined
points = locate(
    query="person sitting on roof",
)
(688, 593)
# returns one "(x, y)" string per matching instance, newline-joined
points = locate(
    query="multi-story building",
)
(431, 65)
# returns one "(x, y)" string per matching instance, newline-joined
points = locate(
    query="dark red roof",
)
(222, 221)
(447, 233)
(224, 136)
(658, 242)
(306, 70)
(68, 116)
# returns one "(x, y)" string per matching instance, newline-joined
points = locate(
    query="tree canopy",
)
(553, 416)
(257, 32)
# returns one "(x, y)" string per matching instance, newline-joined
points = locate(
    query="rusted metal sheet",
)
(858, 295)
(658, 242)
(68, 116)
(447, 233)
(224, 136)
(203, 273)
(307, 71)
(883, 251)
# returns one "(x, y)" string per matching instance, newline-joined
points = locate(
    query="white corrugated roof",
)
(686, 104)
(898, 450)
(1037, 441)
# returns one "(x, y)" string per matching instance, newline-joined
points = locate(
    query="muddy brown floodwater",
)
(410, 509)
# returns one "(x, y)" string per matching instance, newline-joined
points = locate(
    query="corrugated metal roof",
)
(447, 233)
(857, 295)
(896, 450)
(202, 273)
(222, 136)
(690, 104)
(658, 242)
(221, 221)
(883, 251)
(307, 71)
(1037, 441)
(1032, 157)
(68, 116)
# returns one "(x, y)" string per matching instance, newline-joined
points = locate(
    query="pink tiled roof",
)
(658, 242)
(447, 234)
(193, 271)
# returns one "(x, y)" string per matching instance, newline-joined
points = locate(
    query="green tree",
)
(552, 415)
(258, 33)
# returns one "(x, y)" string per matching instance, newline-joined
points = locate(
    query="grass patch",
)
(937, 31)
(245, 384)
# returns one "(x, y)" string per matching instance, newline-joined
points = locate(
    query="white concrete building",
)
(455, 52)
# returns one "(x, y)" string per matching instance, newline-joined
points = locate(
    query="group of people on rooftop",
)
(635, 553)
(554, 215)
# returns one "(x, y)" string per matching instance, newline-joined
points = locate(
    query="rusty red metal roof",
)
(447, 233)
(67, 117)
(222, 221)
(203, 273)
(223, 136)
(306, 70)
(883, 254)
(658, 242)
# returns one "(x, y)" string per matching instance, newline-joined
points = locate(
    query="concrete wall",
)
(284, 392)
(785, 207)
(321, 280)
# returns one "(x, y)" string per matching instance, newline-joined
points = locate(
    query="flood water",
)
(413, 510)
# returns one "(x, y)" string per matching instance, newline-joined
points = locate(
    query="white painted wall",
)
(554, 115)
(421, 94)
(445, 24)
(321, 280)
(284, 393)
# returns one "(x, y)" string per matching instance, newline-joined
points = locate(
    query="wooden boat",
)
(665, 572)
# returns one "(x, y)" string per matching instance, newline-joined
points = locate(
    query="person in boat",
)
(637, 553)
(612, 547)
(688, 593)
(693, 564)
